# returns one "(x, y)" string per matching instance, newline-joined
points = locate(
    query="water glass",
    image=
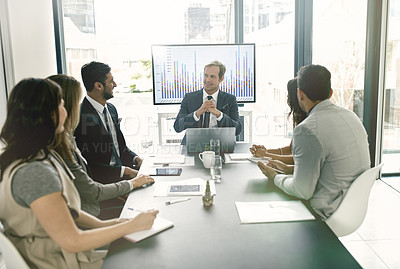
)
(146, 143)
(216, 169)
(215, 145)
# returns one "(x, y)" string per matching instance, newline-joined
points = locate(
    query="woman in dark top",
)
(284, 154)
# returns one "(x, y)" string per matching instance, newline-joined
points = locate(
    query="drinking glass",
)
(215, 145)
(216, 169)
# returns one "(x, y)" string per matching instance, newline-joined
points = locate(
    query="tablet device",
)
(168, 172)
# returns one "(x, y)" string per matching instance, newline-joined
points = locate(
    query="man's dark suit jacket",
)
(226, 103)
(96, 144)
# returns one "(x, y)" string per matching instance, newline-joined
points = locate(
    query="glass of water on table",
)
(215, 145)
(216, 169)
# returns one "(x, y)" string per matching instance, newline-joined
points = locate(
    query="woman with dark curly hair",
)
(284, 154)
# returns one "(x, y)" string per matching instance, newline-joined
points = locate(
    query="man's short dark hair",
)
(221, 66)
(315, 81)
(94, 72)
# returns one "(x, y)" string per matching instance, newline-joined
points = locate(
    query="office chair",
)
(353, 208)
(11, 255)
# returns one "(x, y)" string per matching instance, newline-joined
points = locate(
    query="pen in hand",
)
(177, 201)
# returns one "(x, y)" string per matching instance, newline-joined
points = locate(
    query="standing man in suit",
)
(209, 107)
(330, 147)
(98, 135)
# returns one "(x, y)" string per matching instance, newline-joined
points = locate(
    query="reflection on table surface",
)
(213, 237)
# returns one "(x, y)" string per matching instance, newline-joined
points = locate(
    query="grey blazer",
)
(90, 191)
(330, 150)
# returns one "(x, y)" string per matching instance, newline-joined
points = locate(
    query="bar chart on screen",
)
(178, 69)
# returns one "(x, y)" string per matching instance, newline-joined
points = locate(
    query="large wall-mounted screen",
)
(178, 69)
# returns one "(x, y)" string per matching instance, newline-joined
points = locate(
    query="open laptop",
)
(198, 139)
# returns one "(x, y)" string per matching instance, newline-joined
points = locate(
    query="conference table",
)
(213, 237)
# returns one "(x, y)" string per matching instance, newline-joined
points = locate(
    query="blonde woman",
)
(90, 191)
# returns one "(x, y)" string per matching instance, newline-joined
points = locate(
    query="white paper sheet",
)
(239, 159)
(240, 156)
(272, 211)
(169, 159)
(244, 158)
(162, 187)
(162, 160)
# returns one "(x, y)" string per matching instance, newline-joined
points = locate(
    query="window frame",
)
(374, 62)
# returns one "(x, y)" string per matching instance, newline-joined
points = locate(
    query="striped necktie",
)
(115, 159)
(206, 122)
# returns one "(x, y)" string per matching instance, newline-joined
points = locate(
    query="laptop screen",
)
(198, 139)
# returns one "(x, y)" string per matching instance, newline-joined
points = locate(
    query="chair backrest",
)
(11, 255)
(353, 208)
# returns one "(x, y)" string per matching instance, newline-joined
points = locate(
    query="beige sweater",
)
(24, 230)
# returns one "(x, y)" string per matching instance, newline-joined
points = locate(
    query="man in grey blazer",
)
(330, 147)
(209, 107)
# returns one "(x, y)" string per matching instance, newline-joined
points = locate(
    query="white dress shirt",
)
(213, 118)
(99, 109)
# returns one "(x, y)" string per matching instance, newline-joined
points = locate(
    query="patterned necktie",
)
(114, 156)
(106, 120)
(206, 121)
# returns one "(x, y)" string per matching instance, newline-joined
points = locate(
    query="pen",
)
(177, 201)
(133, 209)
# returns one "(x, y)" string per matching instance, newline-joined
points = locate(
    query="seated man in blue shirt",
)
(209, 107)
(330, 147)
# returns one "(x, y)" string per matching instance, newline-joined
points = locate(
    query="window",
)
(339, 37)
(120, 33)
(272, 24)
(391, 116)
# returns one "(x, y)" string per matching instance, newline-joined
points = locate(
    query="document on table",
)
(188, 187)
(272, 211)
(240, 156)
(237, 158)
(169, 159)
(159, 225)
(244, 158)
(176, 160)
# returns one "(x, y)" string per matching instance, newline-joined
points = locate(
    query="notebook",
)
(160, 224)
(198, 139)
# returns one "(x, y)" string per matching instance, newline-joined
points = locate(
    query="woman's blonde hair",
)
(72, 94)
